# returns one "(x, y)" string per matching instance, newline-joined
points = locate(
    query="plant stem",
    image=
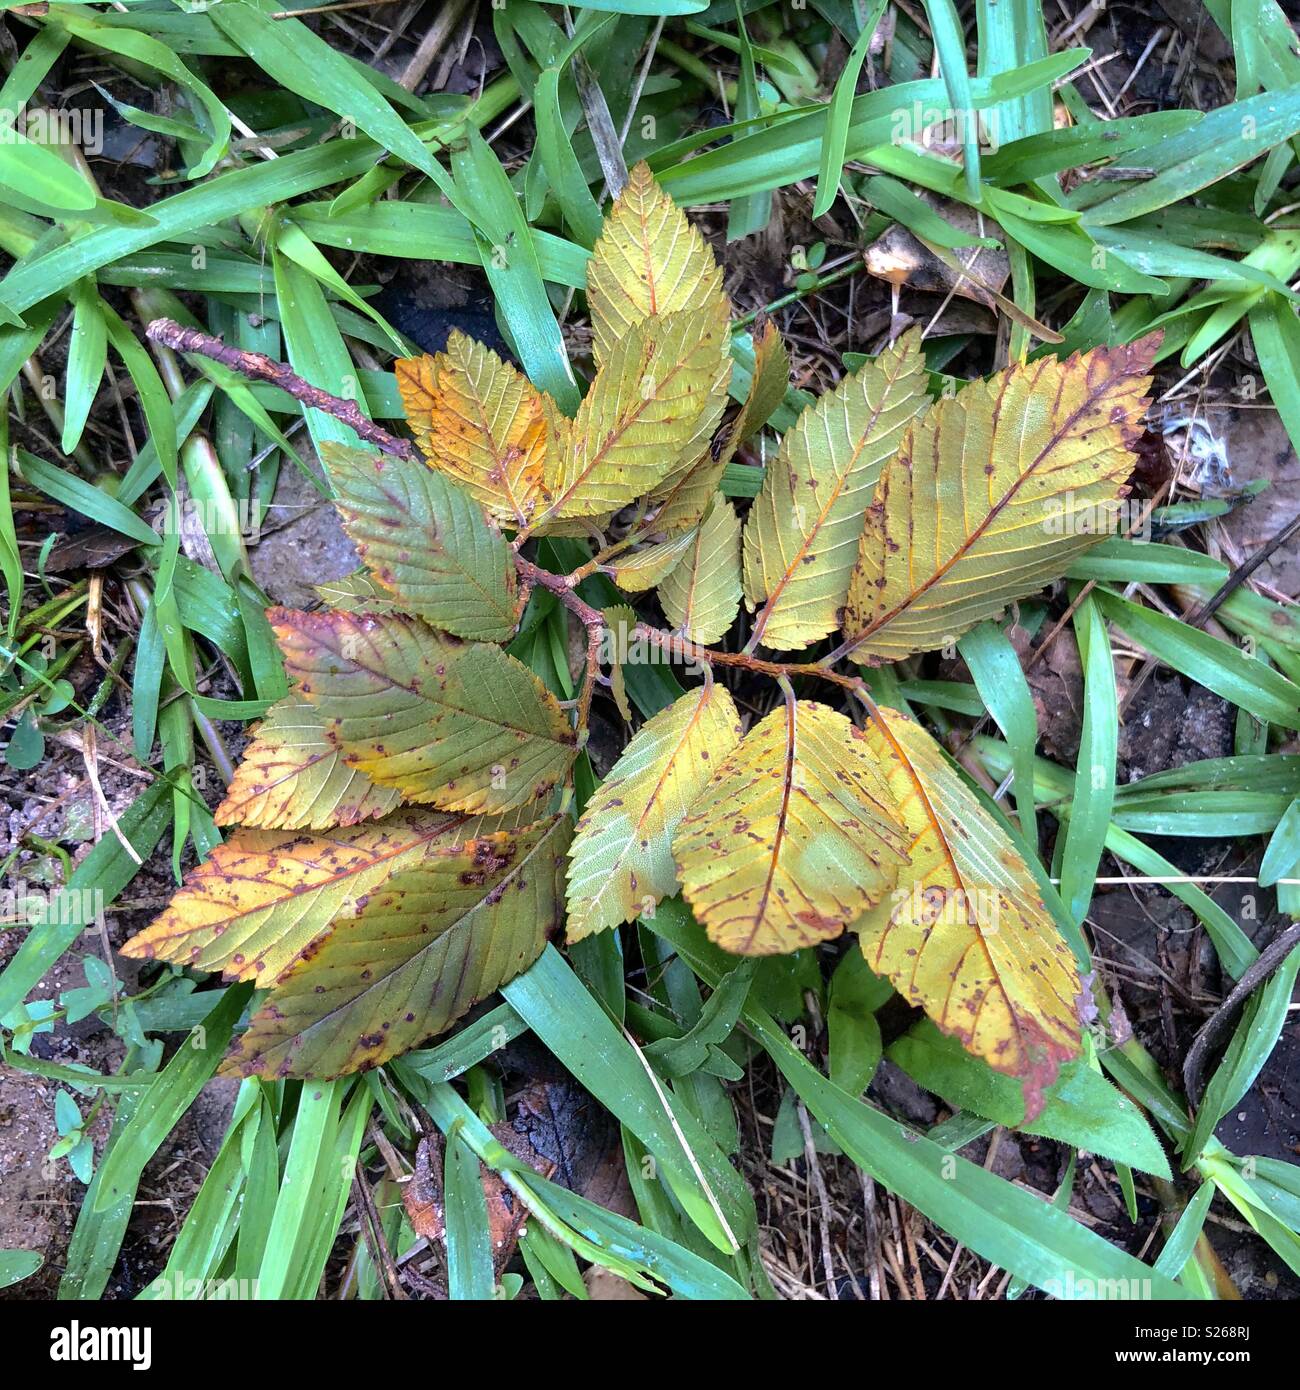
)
(258, 367)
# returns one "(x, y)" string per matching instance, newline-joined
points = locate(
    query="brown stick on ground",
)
(259, 367)
(1270, 958)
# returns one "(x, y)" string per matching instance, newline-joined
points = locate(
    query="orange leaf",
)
(481, 422)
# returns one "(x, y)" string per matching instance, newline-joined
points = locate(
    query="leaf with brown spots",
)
(685, 494)
(479, 421)
(357, 593)
(261, 897)
(793, 838)
(460, 724)
(426, 542)
(428, 944)
(293, 778)
(965, 934)
(992, 495)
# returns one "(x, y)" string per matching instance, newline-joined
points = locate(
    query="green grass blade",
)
(950, 47)
(558, 1008)
(1182, 1240)
(95, 882)
(840, 113)
(1001, 682)
(1213, 663)
(1094, 778)
(555, 147)
(469, 1243)
(162, 1105)
(1001, 1222)
(510, 262)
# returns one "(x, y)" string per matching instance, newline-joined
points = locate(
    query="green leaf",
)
(427, 542)
(1001, 682)
(208, 1230)
(17, 1265)
(41, 175)
(225, 196)
(595, 1233)
(299, 59)
(1094, 778)
(855, 1041)
(840, 113)
(1282, 856)
(469, 1242)
(1251, 1045)
(1082, 1108)
(1182, 1241)
(87, 355)
(1227, 139)
(950, 49)
(1050, 151)
(462, 725)
(555, 146)
(85, 498)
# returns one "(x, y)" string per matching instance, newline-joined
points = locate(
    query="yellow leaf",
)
(684, 497)
(992, 495)
(701, 596)
(461, 724)
(293, 778)
(429, 943)
(621, 861)
(481, 422)
(264, 895)
(648, 262)
(643, 569)
(801, 539)
(795, 836)
(965, 934)
(640, 414)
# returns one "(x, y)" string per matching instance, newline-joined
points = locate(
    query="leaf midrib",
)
(996, 510)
